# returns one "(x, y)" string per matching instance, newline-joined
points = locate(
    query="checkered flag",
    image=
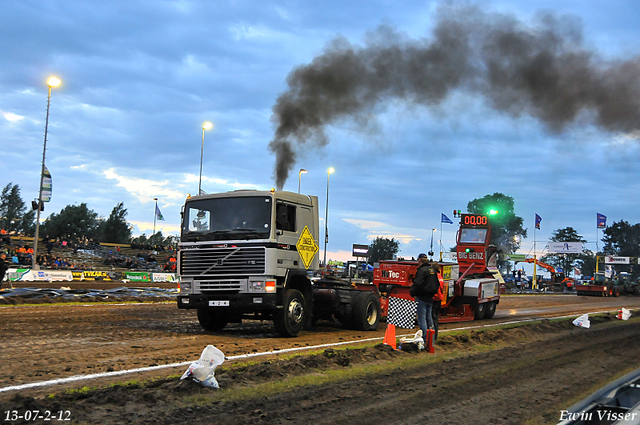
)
(402, 313)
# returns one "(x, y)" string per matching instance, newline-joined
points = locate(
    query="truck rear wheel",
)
(366, 311)
(479, 310)
(290, 320)
(490, 310)
(636, 290)
(212, 319)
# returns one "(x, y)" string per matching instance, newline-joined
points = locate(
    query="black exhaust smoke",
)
(542, 70)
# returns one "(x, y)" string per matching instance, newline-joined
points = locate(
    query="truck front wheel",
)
(290, 320)
(479, 310)
(366, 311)
(212, 319)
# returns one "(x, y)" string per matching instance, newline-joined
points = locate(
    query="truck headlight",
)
(185, 287)
(256, 286)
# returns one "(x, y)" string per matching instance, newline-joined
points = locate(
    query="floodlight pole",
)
(51, 83)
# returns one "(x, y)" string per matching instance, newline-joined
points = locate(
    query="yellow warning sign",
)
(307, 247)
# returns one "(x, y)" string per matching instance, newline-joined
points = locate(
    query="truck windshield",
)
(470, 235)
(227, 219)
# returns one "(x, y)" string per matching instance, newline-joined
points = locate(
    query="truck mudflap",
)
(235, 302)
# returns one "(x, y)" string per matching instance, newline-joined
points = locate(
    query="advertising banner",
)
(28, 275)
(90, 275)
(514, 257)
(47, 186)
(137, 276)
(565, 247)
(16, 275)
(164, 277)
(616, 260)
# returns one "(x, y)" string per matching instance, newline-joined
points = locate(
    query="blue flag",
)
(445, 219)
(538, 220)
(159, 214)
(601, 221)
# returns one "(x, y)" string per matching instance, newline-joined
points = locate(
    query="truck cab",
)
(246, 254)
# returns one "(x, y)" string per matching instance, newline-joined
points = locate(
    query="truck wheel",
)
(365, 312)
(290, 320)
(636, 289)
(490, 310)
(480, 309)
(212, 319)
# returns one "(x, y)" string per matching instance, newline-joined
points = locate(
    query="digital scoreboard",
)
(474, 220)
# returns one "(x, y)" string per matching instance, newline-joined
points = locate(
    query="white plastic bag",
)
(582, 321)
(417, 339)
(202, 370)
(623, 314)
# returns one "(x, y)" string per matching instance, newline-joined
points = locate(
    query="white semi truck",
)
(249, 254)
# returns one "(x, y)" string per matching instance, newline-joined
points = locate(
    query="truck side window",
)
(286, 217)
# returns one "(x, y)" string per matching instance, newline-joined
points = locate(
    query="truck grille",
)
(230, 261)
(230, 286)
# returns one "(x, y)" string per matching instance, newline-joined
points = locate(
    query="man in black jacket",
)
(423, 296)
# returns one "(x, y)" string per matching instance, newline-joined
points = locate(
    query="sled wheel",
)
(212, 319)
(490, 310)
(480, 310)
(290, 320)
(365, 313)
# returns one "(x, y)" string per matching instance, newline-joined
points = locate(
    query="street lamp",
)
(51, 82)
(205, 126)
(326, 219)
(300, 173)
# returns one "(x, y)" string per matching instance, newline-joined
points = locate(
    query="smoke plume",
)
(541, 69)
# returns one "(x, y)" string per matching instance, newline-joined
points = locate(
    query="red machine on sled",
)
(472, 286)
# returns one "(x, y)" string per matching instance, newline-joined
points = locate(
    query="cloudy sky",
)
(139, 78)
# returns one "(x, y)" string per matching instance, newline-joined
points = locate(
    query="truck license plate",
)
(219, 303)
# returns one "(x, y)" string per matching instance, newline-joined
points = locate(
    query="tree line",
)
(73, 222)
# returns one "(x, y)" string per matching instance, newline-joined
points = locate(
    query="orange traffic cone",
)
(390, 336)
(430, 334)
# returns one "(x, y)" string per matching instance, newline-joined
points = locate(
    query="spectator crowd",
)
(20, 254)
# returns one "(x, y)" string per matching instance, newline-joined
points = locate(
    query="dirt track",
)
(551, 363)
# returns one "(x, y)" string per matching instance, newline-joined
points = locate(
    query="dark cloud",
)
(541, 69)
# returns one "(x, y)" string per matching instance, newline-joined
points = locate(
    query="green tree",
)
(565, 262)
(14, 216)
(383, 249)
(622, 239)
(506, 226)
(73, 221)
(156, 239)
(587, 263)
(116, 229)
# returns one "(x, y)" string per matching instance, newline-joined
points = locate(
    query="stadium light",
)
(205, 126)
(51, 82)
